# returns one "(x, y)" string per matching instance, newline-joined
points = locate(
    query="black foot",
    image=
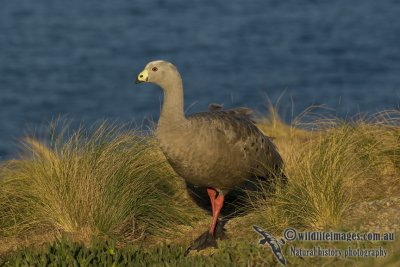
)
(220, 230)
(206, 240)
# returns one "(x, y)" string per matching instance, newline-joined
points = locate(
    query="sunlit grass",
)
(329, 169)
(114, 183)
(103, 182)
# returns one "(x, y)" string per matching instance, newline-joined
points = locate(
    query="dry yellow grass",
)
(332, 168)
(116, 183)
(109, 182)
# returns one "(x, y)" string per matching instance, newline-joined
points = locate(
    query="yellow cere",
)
(143, 76)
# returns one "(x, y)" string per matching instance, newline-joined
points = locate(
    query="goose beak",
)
(142, 77)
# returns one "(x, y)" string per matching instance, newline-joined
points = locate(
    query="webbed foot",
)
(206, 240)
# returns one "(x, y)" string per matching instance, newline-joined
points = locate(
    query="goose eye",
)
(154, 69)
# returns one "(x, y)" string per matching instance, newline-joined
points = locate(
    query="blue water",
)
(80, 58)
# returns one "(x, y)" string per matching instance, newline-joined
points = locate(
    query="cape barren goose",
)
(218, 150)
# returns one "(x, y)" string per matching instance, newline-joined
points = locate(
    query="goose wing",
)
(236, 130)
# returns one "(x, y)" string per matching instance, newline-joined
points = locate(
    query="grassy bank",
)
(113, 185)
(104, 182)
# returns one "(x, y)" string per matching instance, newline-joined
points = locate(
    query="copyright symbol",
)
(290, 234)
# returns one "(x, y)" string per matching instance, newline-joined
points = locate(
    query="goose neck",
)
(172, 112)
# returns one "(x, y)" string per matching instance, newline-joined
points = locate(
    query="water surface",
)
(80, 58)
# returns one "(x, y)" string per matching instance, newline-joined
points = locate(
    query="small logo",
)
(273, 243)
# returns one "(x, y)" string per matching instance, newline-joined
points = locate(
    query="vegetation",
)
(114, 186)
(68, 253)
(331, 169)
(107, 182)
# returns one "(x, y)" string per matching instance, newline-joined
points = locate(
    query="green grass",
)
(114, 185)
(64, 252)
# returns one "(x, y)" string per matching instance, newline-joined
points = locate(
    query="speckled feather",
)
(220, 149)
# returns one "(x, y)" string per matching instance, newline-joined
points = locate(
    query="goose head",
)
(159, 72)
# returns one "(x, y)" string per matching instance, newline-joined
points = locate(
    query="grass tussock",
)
(330, 169)
(103, 182)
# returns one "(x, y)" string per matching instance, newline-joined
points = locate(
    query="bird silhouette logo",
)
(273, 243)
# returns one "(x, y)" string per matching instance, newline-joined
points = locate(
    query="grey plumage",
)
(236, 111)
(241, 111)
(220, 148)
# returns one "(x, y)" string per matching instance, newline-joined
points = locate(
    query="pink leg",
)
(212, 193)
(218, 203)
